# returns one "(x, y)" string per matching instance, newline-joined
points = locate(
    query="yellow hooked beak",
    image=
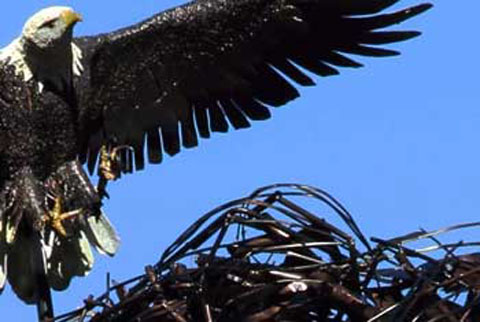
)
(71, 17)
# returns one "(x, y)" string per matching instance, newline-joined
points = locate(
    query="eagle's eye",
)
(48, 24)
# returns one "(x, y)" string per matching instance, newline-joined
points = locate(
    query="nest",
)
(271, 257)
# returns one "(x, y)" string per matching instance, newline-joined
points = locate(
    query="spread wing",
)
(214, 64)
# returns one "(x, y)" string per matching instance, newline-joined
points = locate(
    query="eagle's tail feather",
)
(27, 270)
(24, 256)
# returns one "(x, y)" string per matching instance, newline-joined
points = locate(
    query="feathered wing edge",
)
(219, 73)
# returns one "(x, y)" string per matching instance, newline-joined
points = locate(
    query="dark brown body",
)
(38, 162)
(39, 132)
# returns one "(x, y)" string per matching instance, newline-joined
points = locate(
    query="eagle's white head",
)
(51, 27)
(45, 49)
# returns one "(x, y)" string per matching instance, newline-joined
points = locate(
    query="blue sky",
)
(396, 142)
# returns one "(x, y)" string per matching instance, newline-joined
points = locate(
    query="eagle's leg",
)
(109, 167)
(72, 198)
(33, 196)
(77, 192)
(109, 164)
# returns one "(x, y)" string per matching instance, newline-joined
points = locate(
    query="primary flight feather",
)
(143, 91)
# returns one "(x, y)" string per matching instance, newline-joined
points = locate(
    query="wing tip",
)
(411, 34)
(424, 7)
(418, 9)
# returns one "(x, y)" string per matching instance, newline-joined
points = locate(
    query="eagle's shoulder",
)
(14, 56)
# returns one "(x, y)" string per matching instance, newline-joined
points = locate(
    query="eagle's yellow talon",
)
(108, 166)
(56, 217)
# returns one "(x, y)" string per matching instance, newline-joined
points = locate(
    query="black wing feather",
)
(154, 146)
(235, 116)
(203, 66)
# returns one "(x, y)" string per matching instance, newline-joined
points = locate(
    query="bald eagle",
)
(114, 100)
